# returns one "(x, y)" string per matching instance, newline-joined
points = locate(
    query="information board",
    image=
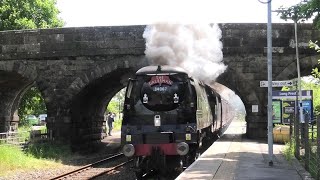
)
(276, 111)
(288, 111)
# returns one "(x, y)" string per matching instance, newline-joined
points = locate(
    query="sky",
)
(81, 13)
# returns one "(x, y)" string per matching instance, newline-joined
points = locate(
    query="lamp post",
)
(298, 71)
(269, 56)
(297, 152)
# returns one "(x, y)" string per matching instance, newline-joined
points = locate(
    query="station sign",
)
(291, 94)
(277, 83)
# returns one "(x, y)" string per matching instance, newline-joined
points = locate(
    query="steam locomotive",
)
(167, 116)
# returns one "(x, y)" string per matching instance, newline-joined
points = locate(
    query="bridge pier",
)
(256, 127)
(5, 123)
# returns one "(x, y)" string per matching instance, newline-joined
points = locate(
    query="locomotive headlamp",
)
(145, 98)
(182, 148)
(188, 137)
(128, 138)
(175, 98)
(128, 150)
(157, 120)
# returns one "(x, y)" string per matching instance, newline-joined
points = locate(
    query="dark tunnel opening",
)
(89, 106)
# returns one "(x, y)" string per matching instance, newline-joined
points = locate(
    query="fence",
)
(14, 138)
(21, 137)
(307, 149)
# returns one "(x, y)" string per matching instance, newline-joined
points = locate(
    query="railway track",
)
(97, 169)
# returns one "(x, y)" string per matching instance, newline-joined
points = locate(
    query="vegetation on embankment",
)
(36, 156)
(13, 159)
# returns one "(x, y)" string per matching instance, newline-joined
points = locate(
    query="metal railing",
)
(308, 146)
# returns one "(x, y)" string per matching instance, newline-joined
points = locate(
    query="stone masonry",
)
(78, 70)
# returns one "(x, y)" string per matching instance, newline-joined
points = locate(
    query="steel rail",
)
(84, 168)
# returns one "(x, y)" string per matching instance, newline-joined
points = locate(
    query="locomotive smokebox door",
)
(157, 120)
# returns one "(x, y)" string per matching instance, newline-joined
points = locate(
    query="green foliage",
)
(49, 150)
(113, 106)
(289, 150)
(315, 72)
(13, 159)
(28, 14)
(31, 103)
(116, 103)
(117, 124)
(305, 10)
(24, 132)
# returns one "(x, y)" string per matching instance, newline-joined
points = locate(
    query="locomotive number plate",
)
(188, 137)
(156, 89)
(128, 138)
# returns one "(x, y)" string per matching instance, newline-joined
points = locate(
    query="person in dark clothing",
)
(110, 120)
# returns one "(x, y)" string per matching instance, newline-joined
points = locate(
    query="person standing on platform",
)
(110, 122)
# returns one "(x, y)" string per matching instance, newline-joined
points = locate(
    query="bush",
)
(289, 150)
(49, 150)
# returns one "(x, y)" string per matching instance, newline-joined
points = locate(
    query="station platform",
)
(234, 156)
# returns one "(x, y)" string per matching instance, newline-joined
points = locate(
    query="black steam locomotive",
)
(167, 115)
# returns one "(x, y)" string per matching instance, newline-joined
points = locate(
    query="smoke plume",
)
(196, 48)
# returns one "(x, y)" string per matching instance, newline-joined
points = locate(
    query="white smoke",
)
(196, 48)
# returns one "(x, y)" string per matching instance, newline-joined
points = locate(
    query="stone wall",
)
(78, 70)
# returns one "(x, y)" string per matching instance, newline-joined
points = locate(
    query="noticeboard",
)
(276, 111)
(288, 109)
(307, 110)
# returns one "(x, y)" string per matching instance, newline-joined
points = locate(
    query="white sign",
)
(255, 108)
(276, 83)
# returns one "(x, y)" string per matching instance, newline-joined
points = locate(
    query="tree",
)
(315, 72)
(28, 14)
(116, 103)
(31, 103)
(306, 9)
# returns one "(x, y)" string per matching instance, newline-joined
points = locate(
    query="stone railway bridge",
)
(79, 70)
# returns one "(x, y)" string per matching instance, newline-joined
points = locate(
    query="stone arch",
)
(240, 84)
(307, 63)
(88, 95)
(15, 78)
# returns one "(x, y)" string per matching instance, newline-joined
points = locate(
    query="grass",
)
(117, 124)
(13, 159)
(49, 150)
(289, 150)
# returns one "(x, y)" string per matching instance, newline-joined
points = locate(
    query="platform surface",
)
(234, 156)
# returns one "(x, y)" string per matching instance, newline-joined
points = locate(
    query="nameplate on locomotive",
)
(160, 80)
